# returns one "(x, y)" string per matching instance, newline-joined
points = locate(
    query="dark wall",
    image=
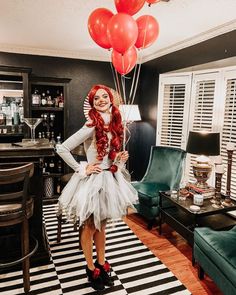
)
(220, 47)
(84, 74)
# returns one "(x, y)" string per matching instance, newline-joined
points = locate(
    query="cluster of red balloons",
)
(122, 33)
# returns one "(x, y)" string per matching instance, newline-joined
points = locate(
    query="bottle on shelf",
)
(2, 117)
(50, 101)
(57, 98)
(43, 100)
(61, 101)
(21, 110)
(59, 139)
(52, 141)
(59, 166)
(45, 167)
(36, 98)
(51, 166)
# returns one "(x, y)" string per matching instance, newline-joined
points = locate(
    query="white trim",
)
(53, 52)
(84, 55)
(225, 28)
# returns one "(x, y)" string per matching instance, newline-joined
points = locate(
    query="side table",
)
(178, 215)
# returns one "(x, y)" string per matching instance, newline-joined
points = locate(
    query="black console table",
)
(178, 215)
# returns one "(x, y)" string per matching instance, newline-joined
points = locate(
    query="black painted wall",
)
(84, 74)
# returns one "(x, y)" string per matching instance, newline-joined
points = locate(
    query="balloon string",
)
(123, 88)
(132, 85)
(114, 79)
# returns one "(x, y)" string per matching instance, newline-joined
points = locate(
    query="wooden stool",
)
(16, 207)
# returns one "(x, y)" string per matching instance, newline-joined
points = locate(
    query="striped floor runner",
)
(136, 270)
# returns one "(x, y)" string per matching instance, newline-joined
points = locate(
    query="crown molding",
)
(81, 54)
(225, 28)
(95, 56)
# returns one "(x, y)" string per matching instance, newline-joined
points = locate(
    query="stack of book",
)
(207, 192)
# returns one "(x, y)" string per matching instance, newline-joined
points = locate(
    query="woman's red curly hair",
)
(115, 126)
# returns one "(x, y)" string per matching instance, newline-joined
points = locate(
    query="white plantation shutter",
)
(174, 95)
(202, 114)
(229, 128)
(202, 100)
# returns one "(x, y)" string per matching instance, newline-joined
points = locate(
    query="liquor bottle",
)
(51, 166)
(2, 117)
(48, 135)
(61, 101)
(43, 100)
(52, 141)
(57, 98)
(50, 101)
(59, 139)
(45, 167)
(36, 98)
(59, 166)
(40, 135)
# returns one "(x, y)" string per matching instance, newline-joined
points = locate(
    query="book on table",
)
(207, 192)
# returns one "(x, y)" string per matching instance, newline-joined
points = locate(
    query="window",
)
(202, 100)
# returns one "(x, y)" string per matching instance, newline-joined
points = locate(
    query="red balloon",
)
(152, 1)
(97, 26)
(148, 31)
(129, 6)
(124, 63)
(122, 32)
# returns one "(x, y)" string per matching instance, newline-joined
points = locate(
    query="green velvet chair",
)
(215, 252)
(164, 172)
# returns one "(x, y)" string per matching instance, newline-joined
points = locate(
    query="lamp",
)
(205, 144)
(129, 114)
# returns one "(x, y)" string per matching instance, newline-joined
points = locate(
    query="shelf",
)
(54, 109)
(52, 175)
(11, 134)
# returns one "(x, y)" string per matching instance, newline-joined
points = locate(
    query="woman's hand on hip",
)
(93, 168)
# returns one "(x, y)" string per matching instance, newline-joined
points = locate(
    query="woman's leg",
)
(104, 266)
(100, 241)
(87, 234)
(93, 273)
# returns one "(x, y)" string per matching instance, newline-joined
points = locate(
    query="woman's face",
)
(101, 101)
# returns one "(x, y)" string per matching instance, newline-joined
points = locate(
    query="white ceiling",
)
(59, 27)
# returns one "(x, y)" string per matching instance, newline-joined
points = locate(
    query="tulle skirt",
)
(104, 196)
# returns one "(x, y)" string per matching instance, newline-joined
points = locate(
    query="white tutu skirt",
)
(104, 195)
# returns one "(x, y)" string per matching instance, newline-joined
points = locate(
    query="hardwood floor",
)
(174, 252)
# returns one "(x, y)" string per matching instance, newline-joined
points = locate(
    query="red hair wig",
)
(115, 126)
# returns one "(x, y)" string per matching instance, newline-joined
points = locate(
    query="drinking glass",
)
(32, 123)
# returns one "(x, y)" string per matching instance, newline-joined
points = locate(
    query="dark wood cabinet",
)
(14, 103)
(48, 100)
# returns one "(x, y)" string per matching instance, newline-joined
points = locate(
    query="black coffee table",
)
(178, 215)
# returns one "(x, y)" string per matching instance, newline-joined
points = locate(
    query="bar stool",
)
(78, 151)
(16, 207)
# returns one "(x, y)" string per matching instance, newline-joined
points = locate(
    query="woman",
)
(97, 191)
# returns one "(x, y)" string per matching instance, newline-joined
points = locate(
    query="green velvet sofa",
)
(215, 252)
(164, 172)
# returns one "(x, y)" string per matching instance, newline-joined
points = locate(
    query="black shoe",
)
(94, 276)
(105, 273)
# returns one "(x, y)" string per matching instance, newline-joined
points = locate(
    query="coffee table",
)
(178, 215)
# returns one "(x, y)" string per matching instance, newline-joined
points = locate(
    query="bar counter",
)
(11, 155)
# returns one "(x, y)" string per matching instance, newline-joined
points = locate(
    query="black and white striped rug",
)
(136, 270)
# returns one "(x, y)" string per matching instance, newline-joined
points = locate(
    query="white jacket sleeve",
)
(64, 149)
